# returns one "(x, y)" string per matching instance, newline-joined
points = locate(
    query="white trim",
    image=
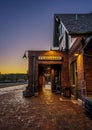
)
(54, 48)
(72, 40)
(64, 27)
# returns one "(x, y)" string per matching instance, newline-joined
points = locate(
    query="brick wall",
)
(65, 71)
(84, 66)
(88, 73)
(88, 66)
(77, 48)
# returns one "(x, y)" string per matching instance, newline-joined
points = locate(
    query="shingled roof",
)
(76, 23)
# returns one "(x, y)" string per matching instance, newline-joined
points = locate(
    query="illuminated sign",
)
(56, 58)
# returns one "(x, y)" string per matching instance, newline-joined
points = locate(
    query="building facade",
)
(70, 65)
(73, 34)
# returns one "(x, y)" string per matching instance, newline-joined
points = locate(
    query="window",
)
(73, 72)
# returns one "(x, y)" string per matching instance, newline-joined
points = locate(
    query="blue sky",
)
(28, 25)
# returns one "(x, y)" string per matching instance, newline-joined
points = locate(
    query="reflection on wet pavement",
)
(45, 112)
(12, 88)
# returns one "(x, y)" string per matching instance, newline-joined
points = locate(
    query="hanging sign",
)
(56, 58)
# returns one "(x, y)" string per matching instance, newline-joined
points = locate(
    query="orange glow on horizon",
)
(11, 67)
(13, 70)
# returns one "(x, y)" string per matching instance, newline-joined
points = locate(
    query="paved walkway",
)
(46, 112)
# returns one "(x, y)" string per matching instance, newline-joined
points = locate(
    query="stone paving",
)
(48, 111)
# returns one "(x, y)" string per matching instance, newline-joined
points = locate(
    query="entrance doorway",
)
(49, 77)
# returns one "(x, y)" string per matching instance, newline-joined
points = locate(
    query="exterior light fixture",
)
(25, 55)
(76, 54)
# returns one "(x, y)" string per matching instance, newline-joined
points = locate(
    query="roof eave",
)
(80, 33)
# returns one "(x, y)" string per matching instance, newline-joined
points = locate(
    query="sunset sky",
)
(28, 25)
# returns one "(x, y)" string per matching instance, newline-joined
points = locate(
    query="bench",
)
(88, 105)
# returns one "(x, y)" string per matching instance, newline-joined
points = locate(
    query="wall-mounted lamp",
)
(76, 54)
(25, 55)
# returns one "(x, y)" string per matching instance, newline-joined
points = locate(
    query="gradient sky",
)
(28, 25)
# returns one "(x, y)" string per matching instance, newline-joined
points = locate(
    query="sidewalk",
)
(48, 111)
